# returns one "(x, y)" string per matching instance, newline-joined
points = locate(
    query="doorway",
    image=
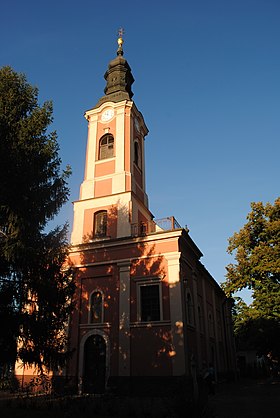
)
(94, 365)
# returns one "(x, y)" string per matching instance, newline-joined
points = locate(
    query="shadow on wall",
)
(108, 223)
(150, 340)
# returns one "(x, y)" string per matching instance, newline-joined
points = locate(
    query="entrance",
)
(94, 365)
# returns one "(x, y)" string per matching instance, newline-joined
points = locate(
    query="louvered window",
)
(106, 147)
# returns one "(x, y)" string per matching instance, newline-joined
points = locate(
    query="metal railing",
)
(158, 225)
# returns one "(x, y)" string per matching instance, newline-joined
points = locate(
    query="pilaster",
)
(176, 315)
(124, 319)
(196, 318)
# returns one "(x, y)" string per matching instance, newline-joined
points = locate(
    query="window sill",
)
(97, 239)
(104, 160)
(95, 325)
(149, 324)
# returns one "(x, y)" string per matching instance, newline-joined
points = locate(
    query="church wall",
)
(139, 193)
(138, 176)
(103, 187)
(128, 184)
(152, 351)
(104, 279)
(104, 168)
(89, 221)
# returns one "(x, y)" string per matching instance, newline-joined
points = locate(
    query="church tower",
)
(145, 306)
(113, 199)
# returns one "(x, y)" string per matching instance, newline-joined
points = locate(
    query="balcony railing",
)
(157, 225)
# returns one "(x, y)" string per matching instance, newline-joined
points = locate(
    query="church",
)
(146, 307)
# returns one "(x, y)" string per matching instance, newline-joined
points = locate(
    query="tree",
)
(35, 293)
(256, 248)
(254, 331)
(257, 253)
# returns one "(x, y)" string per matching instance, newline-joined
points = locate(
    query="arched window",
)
(100, 224)
(96, 308)
(190, 312)
(137, 154)
(106, 147)
(200, 319)
(211, 324)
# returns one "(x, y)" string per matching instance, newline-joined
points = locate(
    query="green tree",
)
(35, 293)
(254, 331)
(256, 248)
(257, 254)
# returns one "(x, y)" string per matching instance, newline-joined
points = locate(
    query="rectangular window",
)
(150, 302)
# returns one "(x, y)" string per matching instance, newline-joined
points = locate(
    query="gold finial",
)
(120, 41)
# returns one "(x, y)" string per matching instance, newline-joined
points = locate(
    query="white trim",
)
(104, 160)
(97, 110)
(123, 260)
(156, 236)
(176, 313)
(81, 357)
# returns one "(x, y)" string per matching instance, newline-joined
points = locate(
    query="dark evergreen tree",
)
(35, 292)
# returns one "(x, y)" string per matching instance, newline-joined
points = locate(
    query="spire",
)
(118, 77)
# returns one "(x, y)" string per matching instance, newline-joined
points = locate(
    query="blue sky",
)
(206, 80)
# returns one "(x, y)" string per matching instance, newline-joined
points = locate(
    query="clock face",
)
(107, 114)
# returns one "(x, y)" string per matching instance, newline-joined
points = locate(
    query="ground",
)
(246, 399)
(243, 399)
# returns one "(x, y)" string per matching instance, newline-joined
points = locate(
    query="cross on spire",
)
(121, 32)
(120, 41)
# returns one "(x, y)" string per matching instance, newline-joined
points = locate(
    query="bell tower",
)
(113, 195)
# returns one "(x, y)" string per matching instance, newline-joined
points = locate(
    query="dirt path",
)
(246, 399)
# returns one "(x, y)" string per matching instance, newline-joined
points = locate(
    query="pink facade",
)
(145, 305)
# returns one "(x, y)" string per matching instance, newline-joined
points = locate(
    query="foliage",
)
(35, 294)
(257, 253)
(255, 332)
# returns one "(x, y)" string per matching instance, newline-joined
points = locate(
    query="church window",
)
(200, 318)
(150, 303)
(96, 307)
(219, 326)
(137, 154)
(211, 324)
(100, 224)
(190, 310)
(106, 147)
